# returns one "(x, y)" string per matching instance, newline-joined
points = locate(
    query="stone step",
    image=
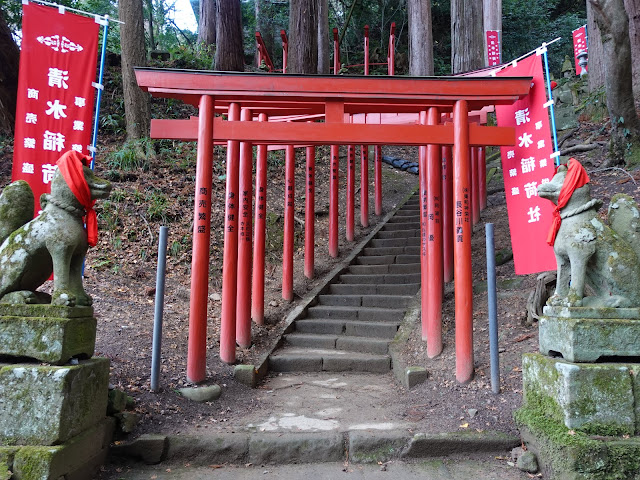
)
(395, 242)
(413, 250)
(355, 328)
(374, 289)
(381, 301)
(398, 233)
(405, 217)
(291, 359)
(381, 269)
(359, 313)
(401, 226)
(386, 278)
(376, 346)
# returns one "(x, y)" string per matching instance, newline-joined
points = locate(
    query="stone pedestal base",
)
(580, 418)
(578, 338)
(48, 405)
(47, 333)
(76, 459)
(600, 399)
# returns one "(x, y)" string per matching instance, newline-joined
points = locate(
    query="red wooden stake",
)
(462, 244)
(434, 243)
(310, 214)
(482, 181)
(287, 250)
(377, 173)
(230, 255)
(259, 237)
(351, 187)
(333, 201)
(364, 186)
(243, 297)
(197, 348)
(475, 198)
(447, 213)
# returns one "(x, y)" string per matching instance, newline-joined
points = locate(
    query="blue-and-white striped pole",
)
(99, 87)
(556, 152)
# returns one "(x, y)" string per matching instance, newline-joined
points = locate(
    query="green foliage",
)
(528, 23)
(132, 156)
(156, 203)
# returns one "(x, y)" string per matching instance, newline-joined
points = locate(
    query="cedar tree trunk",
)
(492, 11)
(596, 54)
(467, 44)
(613, 22)
(229, 52)
(324, 45)
(9, 63)
(420, 38)
(633, 11)
(207, 23)
(303, 36)
(136, 102)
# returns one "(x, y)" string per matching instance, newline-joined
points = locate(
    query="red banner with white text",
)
(494, 56)
(525, 166)
(55, 94)
(579, 45)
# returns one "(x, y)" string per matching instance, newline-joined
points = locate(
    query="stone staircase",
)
(352, 324)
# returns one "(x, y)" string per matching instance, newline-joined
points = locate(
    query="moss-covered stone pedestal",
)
(53, 420)
(587, 334)
(47, 333)
(581, 419)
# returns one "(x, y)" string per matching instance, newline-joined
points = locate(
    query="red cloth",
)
(70, 165)
(576, 178)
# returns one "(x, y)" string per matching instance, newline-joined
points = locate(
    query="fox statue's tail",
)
(624, 218)
(16, 207)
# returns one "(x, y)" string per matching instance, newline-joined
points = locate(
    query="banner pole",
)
(99, 87)
(556, 153)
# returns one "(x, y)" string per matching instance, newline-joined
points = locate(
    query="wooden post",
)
(230, 254)
(197, 348)
(462, 244)
(243, 297)
(309, 214)
(289, 199)
(259, 237)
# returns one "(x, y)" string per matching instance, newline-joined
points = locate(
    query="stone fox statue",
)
(589, 252)
(55, 241)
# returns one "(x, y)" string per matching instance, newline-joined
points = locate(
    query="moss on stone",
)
(34, 463)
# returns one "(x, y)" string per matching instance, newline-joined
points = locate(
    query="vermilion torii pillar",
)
(335, 97)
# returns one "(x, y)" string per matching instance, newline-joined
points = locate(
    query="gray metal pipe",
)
(159, 308)
(492, 309)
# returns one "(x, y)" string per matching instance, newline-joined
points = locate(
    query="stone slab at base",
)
(588, 339)
(566, 455)
(50, 340)
(592, 312)
(598, 399)
(77, 459)
(48, 405)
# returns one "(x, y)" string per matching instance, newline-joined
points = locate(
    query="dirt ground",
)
(120, 275)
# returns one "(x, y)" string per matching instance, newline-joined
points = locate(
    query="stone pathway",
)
(354, 320)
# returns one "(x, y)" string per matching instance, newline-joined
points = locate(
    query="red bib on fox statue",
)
(70, 165)
(576, 177)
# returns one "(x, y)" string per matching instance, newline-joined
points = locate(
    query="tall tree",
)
(420, 38)
(633, 11)
(612, 19)
(303, 36)
(9, 61)
(136, 102)
(492, 11)
(229, 52)
(324, 48)
(467, 45)
(596, 54)
(207, 22)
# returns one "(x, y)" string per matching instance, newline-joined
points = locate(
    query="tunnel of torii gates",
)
(430, 112)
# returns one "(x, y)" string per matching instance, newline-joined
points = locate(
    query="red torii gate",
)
(337, 97)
